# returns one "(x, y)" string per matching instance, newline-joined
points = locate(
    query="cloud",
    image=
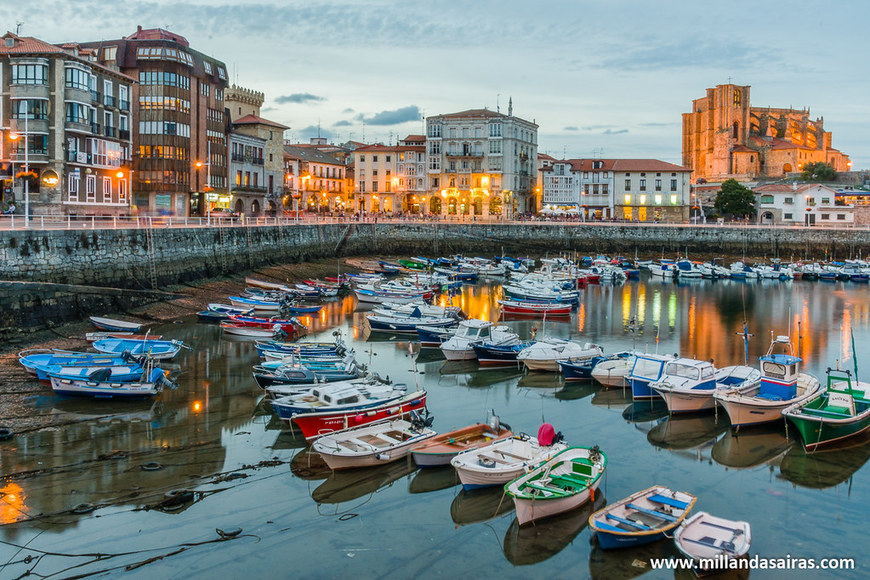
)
(313, 131)
(570, 128)
(597, 127)
(342, 124)
(396, 117)
(348, 111)
(612, 132)
(298, 98)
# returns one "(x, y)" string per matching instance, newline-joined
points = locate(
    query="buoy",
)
(151, 466)
(358, 418)
(84, 508)
(592, 494)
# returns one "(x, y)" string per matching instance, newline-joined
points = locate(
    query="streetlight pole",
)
(26, 171)
(207, 180)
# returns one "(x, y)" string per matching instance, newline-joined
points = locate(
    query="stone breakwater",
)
(143, 260)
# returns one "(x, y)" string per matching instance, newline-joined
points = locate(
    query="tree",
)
(818, 171)
(733, 199)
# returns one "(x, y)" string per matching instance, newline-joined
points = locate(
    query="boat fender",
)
(151, 466)
(177, 497)
(6, 433)
(592, 494)
(383, 456)
(358, 418)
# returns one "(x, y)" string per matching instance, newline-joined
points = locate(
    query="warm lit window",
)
(627, 199)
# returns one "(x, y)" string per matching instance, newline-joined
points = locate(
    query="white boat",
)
(502, 461)
(781, 385)
(663, 269)
(687, 385)
(112, 325)
(337, 396)
(431, 310)
(372, 444)
(689, 269)
(228, 327)
(562, 483)
(614, 371)
(542, 355)
(470, 332)
(151, 382)
(741, 271)
(704, 537)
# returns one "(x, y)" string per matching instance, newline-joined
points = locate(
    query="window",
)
(787, 216)
(29, 74)
(658, 184)
(825, 216)
(123, 98)
(673, 185)
(362, 158)
(205, 90)
(110, 53)
(643, 184)
(91, 188)
(30, 109)
(826, 200)
(207, 66)
(766, 199)
(374, 158)
(73, 186)
(841, 216)
(495, 130)
(658, 199)
(627, 198)
(78, 113)
(107, 190)
(627, 185)
(643, 200)
(77, 79)
(388, 158)
(434, 130)
(108, 93)
(122, 191)
(374, 186)
(673, 199)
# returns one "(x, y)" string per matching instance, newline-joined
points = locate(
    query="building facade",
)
(247, 176)
(66, 121)
(392, 178)
(482, 163)
(805, 204)
(725, 137)
(315, 181)
(181, 128)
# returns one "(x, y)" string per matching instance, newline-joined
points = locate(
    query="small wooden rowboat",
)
(705, 538)
(372, 444)
(641, 518)
(535, 308)
(112, 325)
(564, 482)
(441, 449)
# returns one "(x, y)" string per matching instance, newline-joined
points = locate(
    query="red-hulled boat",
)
(313, 425)
(288, 326)
(535, 308)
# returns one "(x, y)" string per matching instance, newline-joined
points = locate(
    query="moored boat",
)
(535, 308)
(112, 325)
(706, 538)
(151, 382)
(564, 482)
(441, 449)
(156, 349)
(647, 368)
(641, 518)
(542, 355)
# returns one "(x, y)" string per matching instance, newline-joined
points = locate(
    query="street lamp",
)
(14, 137)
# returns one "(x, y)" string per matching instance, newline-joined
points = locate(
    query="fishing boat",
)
(434, 336)
(156, 349)
(460, 346)
(370, 296)
(369, 445)
(542, 355)
(490, 355)
(299, 373)
(441, 449)
(579, 369)
(112, 325)
(687, 385)
(706, 538)
(663, 268)
(290, 326)
(647, 368)
(781, 385)
(151, 381)
(406, 324)
(837, 413)
(315, 425)
(641, 518)
(613, 370)
(535, 308)
(506, 459)
(211, 316)
(564, 482)
(336, 397)
(234, 329)
(229, 309)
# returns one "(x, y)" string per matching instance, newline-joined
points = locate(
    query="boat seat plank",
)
(553, 490)
(658, 514)
(609, 528)
(572, 479)
(824, 413)
(709, 542)
(495, 459)
(635, 525)
(373, 440)
(668, 501)
(509, 454)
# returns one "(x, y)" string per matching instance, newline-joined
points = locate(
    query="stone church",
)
(725, 137)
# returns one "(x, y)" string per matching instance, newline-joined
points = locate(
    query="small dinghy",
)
(506, 459)
(156, 349)
(441, 449)
(641, 518)
(564, 482)
(373, 444)
(101, 385)
(112, 325)
(704, 537)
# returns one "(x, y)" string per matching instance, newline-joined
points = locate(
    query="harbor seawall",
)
(151, 259)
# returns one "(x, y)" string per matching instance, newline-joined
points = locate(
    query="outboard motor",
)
(100, 375)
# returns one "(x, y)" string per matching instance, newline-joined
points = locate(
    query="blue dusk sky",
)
(599, 78)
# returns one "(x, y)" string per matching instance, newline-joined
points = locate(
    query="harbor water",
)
(204, 481)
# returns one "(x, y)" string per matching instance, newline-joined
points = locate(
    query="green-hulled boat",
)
(414, 264)
(841, 411)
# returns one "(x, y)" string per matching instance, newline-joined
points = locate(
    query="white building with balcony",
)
(481, 163)
(805, 204)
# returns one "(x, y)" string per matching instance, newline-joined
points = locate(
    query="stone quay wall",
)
(146, 260)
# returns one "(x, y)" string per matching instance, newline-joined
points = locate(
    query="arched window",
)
(735, 130)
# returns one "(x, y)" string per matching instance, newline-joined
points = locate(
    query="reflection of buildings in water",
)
(827, 468)
(627, 563)
(532, 544)
(471, 506)
(434, 479)
(350, 484)
(751, 447)
(676, 433)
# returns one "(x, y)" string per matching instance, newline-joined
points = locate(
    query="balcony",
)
(95, 128)
(109, 132)
(257, 161)
(238, 158)
(465, 154)
(96, 96)
(78, 157)
(124, 105)
(124, 134)
(109, 101)
(249, 189)
(29, 91)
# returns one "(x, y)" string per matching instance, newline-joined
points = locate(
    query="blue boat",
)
(489, 354)
(211, 316)
(156, 349)
(641, 518)
(41, 364)
(434, 336)
(148, 383)
(648, 368)
(579, 370)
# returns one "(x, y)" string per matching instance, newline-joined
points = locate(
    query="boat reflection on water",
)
(350, 484)
(627, 563)
(429, 354)
(103, 411)
(676, 433)
(539, 380)
(751, 447)
(472, 506)
(459, 367)
(486, 377)
(433, 479)
(645, 411)
(616, 399)
(821, 469)
(575, 390)
(533, 544)
(308, 464)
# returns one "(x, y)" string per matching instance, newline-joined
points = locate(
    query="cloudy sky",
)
(600, 78)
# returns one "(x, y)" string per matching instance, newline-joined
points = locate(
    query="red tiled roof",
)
(414, 138)
(378, 147)
(255, 120)
(157, 34)
(27, 44)
(742, 149)
(648, 165)
(474, 113)
(545, 156)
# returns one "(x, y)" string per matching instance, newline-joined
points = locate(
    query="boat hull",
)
(816, 433)
(693, 401)
(314, 425)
